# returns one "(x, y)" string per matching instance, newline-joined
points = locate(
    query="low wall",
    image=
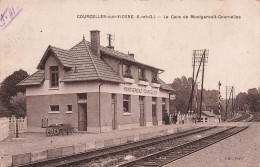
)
(89, 146)
(4, 126)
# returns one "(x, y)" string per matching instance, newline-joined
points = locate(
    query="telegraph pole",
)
(219, 84)
(201, 97)
(229, 90)
(226, 105)
(193, 83)
(200, 57)
(232, 104)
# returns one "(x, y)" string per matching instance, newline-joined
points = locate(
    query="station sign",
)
(140, 91)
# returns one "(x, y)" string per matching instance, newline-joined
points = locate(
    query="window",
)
(69, 107)
(54, 70)
(54, 109)
(82, 96)
(154, 99)
(113, 96)
(141, 74)
(206, 119)
(126, 71)
(154, 77)
(126, 103)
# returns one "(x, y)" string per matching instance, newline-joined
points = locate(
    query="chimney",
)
(95, 42)
(131, 54)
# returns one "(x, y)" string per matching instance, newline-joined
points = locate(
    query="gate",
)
(21, 122)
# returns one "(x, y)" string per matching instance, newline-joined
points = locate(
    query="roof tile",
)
(85, 65)
(34, 79)
(164, 86)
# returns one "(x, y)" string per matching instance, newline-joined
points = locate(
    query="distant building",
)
(94, 88)
(209, 116)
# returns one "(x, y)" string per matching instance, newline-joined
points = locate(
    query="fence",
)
(22, 124)
(4, 126)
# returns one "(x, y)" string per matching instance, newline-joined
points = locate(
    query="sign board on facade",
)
(140, 90)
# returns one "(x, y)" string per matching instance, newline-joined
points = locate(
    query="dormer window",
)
(126, 71)
(141, 75)
(54, 72)
(154, 77)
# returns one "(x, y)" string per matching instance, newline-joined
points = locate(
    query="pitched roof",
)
(208, 113)
(81, 64)
(164, 86)
(122, 56)
(63, 56)
(88, 66)
(34, 79)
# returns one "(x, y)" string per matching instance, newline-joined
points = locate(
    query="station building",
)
(95, 89)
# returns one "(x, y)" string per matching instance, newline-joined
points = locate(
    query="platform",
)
(37, 144)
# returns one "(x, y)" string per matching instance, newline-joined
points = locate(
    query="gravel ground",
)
(119, 158)
(241, 150)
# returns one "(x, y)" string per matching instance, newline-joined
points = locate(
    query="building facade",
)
(95, 89)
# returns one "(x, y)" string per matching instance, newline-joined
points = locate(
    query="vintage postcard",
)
(129, 83)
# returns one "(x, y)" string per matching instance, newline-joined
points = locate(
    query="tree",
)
(18, 105)
(3, 111)
(254, 100)
(9, 88)
(243, 101)
(182, 87)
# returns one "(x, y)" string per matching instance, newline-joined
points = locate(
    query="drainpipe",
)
(99, 104)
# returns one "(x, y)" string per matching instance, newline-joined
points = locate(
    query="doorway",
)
(154, 113)
(141, 107)
(82, 117)
(113, 109)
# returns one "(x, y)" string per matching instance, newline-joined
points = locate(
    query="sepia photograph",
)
(129, 83)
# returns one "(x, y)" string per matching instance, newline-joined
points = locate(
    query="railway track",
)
(74, 159)
(256, 118)
(172, 154)
(242, 118)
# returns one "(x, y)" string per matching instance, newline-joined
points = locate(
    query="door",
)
(165, 117)
(164, 113)
(141, 108)
(154, 115)
(113, 116)
(83, 117)
(113, 110)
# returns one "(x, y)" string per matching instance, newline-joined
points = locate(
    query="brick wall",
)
(38, 107)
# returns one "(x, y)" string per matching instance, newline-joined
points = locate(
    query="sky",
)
(234, 44)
